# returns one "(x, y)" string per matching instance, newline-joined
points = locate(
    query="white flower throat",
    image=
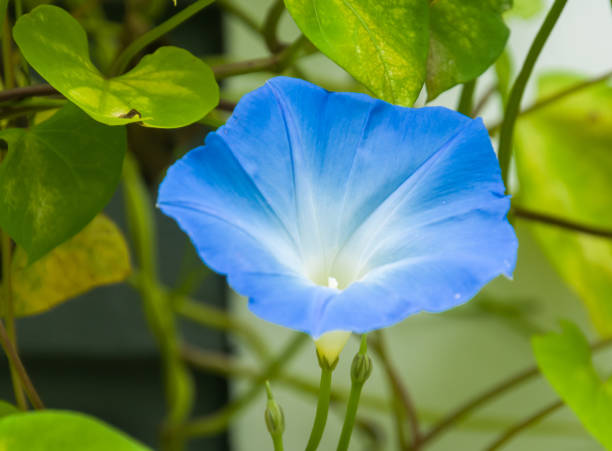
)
(332, 282)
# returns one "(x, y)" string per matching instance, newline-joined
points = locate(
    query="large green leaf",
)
(98, 255)
(565, 361)
(565, 170)
(466, 37)
(169, 88)
(54, 430)
(394, 47)
(56, 177)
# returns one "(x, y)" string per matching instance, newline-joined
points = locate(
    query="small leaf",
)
(564, 164)
(467, 36)
(56, 177)
(383, 44)
(565, 361)
(169, 88)
(55, 430)
(98, 255)
(394, 47)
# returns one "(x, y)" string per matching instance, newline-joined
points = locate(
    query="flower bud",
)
(275, 419)
(361, 368)
(329, 345)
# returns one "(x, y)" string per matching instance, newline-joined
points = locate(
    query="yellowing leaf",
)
(98, 255)
(564, 162)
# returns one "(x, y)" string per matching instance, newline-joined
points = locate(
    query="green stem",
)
(402, 401)
(273, 63)
(10, 316)
(322, 409)
(27, 91)
(466, 100)
(556, 221)
(477, 402)
(516, 94)
(16, 363)
(270, 26)
(3, 10)
(353, 404)
(497, 390)
(224, 365)
(18, 9)
(158, 311)
(239, 13)
(27, 108)
(479, 106)
(218, 421)
(209, 316)
(559, 95)
(124, 59)
(524, 424)
(24, 64)
(277, 442)
(7, 50)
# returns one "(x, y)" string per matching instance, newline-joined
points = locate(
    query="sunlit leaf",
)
(394, 47)
(98, 255)
(565, 361)
(54, 430)
(169, 88)
(565, 170)
(56, 177)
(382, 44)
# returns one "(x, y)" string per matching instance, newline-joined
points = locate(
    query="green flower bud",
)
(275, 419)
(361, 368)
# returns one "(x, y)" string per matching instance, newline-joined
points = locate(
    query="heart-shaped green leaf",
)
(169, 88)
(394, 47)
(56, 177)
(55, 430)
(565, 361)
(97, 255)
(564, 166)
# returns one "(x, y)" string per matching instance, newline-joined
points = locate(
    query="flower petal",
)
(451, 261)
(403, 208)
(231, 224)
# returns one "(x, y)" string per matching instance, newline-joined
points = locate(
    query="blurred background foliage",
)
(100, 354)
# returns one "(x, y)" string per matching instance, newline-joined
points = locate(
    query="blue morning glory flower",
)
(340, 212)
